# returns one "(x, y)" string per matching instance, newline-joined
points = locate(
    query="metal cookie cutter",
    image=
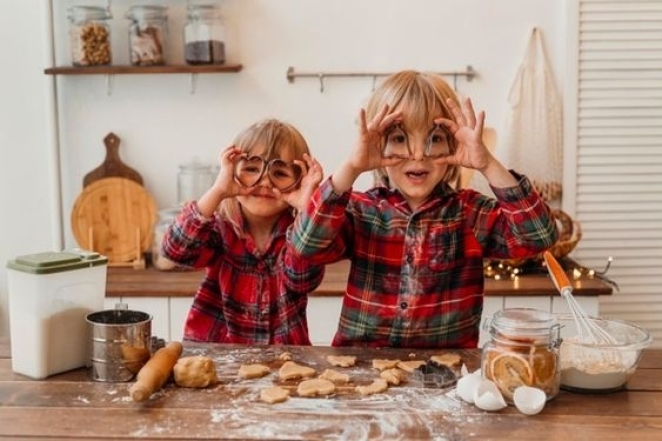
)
(435, 375)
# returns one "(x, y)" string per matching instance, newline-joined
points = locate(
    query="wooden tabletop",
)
(70, 406)
(150, 282)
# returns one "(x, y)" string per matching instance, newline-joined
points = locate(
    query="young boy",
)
(417, 244)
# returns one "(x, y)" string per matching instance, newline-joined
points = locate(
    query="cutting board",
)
(112, 166)
(114, 217)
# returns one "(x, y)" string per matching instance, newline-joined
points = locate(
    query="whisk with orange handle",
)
(588, 331)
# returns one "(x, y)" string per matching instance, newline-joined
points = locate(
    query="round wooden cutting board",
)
(114, 217)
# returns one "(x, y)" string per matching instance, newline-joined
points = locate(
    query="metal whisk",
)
(588, 331)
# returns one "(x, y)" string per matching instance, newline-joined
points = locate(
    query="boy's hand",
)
(467, 129)
(368, 153)
(225, 184)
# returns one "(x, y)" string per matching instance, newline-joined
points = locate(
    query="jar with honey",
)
(523, 350)
(89, 35)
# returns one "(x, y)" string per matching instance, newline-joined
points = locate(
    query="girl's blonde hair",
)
(421, 97)
(276, 136)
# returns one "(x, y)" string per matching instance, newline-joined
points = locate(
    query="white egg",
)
(467, 385)
(529, 400)
(488, 397)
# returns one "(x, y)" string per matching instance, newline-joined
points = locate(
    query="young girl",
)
(254, 291)
(416, 243)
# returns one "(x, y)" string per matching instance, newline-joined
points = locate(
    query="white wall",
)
(161, 124)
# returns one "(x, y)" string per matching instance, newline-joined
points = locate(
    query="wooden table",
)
(70, 406)
(150, 282)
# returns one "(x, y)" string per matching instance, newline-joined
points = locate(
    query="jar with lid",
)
(193, 180)
(523, 350)
(89, 35)
(204, 35)
(166, 217)
(148, 30)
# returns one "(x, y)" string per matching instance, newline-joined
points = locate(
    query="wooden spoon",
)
(112, 166)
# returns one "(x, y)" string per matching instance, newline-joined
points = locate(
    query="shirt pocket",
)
(444, 250)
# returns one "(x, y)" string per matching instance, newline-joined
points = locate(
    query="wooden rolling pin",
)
(156, 371)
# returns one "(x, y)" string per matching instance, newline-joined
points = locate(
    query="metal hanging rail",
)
(469, 73)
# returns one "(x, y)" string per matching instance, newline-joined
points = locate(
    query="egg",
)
(488, 397)
(467, 385)
(529, 400)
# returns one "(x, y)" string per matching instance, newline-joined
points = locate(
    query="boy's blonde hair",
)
(276, 136)
(421, 97)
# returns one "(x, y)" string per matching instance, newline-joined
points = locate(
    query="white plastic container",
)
(50, 294)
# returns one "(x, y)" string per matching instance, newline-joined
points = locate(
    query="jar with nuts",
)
(147, 34)
(89, 35)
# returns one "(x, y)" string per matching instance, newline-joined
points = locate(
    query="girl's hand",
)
(368, 153)
(312, 176)
(467, 129)
(225, 185)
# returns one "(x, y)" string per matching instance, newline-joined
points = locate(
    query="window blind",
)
(618, 158)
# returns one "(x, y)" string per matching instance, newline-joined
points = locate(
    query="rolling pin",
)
(156, 371)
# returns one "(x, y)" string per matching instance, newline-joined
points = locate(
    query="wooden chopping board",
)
(114, 217)
(112, 166)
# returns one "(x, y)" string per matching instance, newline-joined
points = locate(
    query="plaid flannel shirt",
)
(246, 297)
(416, 278)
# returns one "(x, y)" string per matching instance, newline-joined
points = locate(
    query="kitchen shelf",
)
(127, 70)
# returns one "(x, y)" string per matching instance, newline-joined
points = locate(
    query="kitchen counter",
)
(150, 282)
(70, 406)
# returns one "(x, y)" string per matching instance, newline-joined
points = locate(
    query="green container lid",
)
(56, 262)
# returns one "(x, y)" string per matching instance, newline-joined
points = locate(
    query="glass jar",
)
(193, 181)
(148, 30)
(166, 217)
(523, 350)
(204, 36)
(89, 35)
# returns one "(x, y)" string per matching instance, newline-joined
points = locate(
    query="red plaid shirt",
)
(416, 278)
(246, 297)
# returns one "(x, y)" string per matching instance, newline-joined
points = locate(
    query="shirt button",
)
(403, 305)
(410, 258)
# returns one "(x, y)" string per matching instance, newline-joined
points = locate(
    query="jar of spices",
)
(89, 35)
(523, 350)
(193, 180)
(204, 35)
(147, 35)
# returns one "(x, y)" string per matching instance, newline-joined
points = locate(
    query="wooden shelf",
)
(129, 70)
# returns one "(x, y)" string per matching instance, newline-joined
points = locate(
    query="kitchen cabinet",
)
(167, 295)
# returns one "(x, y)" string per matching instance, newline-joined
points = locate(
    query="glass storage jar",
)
(148, 30)
(204, 35)
(193, 181)
(523, 350)
(166, 217)
(89, 35)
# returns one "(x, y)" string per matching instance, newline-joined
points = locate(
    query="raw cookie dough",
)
(393, 376)
(448, 359)
(341, 360)
(292, 371)
(384, 364)
(285, 356)
(249, 371)
(274, 394)
(317, 386)
(411, 365)
(195, 371)
(377, 386)
(334, 376)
